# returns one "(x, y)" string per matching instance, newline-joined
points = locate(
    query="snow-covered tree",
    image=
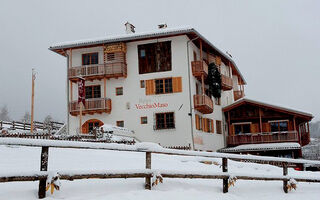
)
(47, 121)
(26, 117)
(4, 114)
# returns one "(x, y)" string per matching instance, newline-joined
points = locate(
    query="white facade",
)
(129, 107)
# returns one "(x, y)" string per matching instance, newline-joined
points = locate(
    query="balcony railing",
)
(107, 70)
(97, 105)
(199, 68)
(203, 103)
(289, 136)
(226, 82)
(238, 95)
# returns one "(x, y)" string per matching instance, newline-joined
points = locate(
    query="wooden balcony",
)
(226, 82)
(93, 106)
(199, 68)
(203, 104)
(100, 71)
(290, 136)
(238, 95)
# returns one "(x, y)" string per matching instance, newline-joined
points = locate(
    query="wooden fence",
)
(148, 173)
(26, 126)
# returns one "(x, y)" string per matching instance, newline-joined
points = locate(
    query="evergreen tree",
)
(26, 117)
(4, 114)
(214, 80)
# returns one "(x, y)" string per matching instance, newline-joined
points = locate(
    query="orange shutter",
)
(218, 60)
(266, 127)
(177, 84)
(254, 128)
(197, 122)
(203, 124)
(150, 87)
(212, 126)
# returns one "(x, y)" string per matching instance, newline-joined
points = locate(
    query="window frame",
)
(164, 87)
(117, 89)
(142, 118)
(219, 127)
(241, 124)
(90, 58)
(92, 91)
(165, 121)
(118, 123)
(142, 84)
(278, 122)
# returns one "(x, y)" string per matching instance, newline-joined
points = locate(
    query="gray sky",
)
(275, 44)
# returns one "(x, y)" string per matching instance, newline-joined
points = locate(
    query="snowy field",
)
(16, 159)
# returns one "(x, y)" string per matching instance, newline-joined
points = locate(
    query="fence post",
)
(285, 173)
(43, 167)
(148, 166)
(225, 169)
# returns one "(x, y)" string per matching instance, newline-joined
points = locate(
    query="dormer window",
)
(90, 58)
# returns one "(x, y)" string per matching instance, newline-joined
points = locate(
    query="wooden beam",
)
(43, 167)
(105, 87)
(148, 166)
(285, 173)
(202, 76)
(32, 101)
(225, 169)
(71, 91)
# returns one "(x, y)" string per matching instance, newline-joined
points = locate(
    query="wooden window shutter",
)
(177, 84)
(265, 127)
(218, 60)
(150, 87)
(212, 126)
(197, 122)
(203, 124)
(254, 128)
(232, 130)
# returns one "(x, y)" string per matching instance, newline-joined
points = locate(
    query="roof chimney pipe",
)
(129, 28)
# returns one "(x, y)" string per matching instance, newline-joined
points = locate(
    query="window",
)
(92, 125)
(142, 85)
(194, 56)
(119, 91)
(165, 120)
(278, 126)
(144, 120)
(241, 128)
(219, 126)
(93, 91)
(154, 57)
(120, 123)
(164, 86)
(90, 59)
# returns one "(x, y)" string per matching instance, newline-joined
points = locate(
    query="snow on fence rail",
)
(148, 149)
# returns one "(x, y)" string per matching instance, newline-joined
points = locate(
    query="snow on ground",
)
(16, 159)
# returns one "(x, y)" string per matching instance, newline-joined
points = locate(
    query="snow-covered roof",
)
(262, 147)
(272, 106)
(139, 36)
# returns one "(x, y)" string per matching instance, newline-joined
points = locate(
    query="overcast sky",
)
(276, 44)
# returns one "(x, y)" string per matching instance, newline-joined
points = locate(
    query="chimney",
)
(162, 26)
(129, 28)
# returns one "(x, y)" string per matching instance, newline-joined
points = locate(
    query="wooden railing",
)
(16, 125)
(226, 82)
(290, 136)
(97, 105)
(199, 68)
(107, 70)
(203, 103)
(238, 94)
(148, 173)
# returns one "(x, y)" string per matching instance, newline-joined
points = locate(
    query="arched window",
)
(88, 126)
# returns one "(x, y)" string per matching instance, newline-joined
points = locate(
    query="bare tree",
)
(26, 117)
(47, 121)
(4, 114)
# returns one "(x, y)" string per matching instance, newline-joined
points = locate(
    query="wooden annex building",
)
(264, 129)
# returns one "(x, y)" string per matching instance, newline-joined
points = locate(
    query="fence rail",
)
(26, 125)
(148, 173)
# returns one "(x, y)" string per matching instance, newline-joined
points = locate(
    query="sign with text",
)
(151, 105)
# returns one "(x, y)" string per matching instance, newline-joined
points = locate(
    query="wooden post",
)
(32, 100)
(148, 166)
(225, 169)
(80, 118)
(71, 91)
(105, 87)
(202, 76)
(43, 167)
(285, 172)
(260, 120)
